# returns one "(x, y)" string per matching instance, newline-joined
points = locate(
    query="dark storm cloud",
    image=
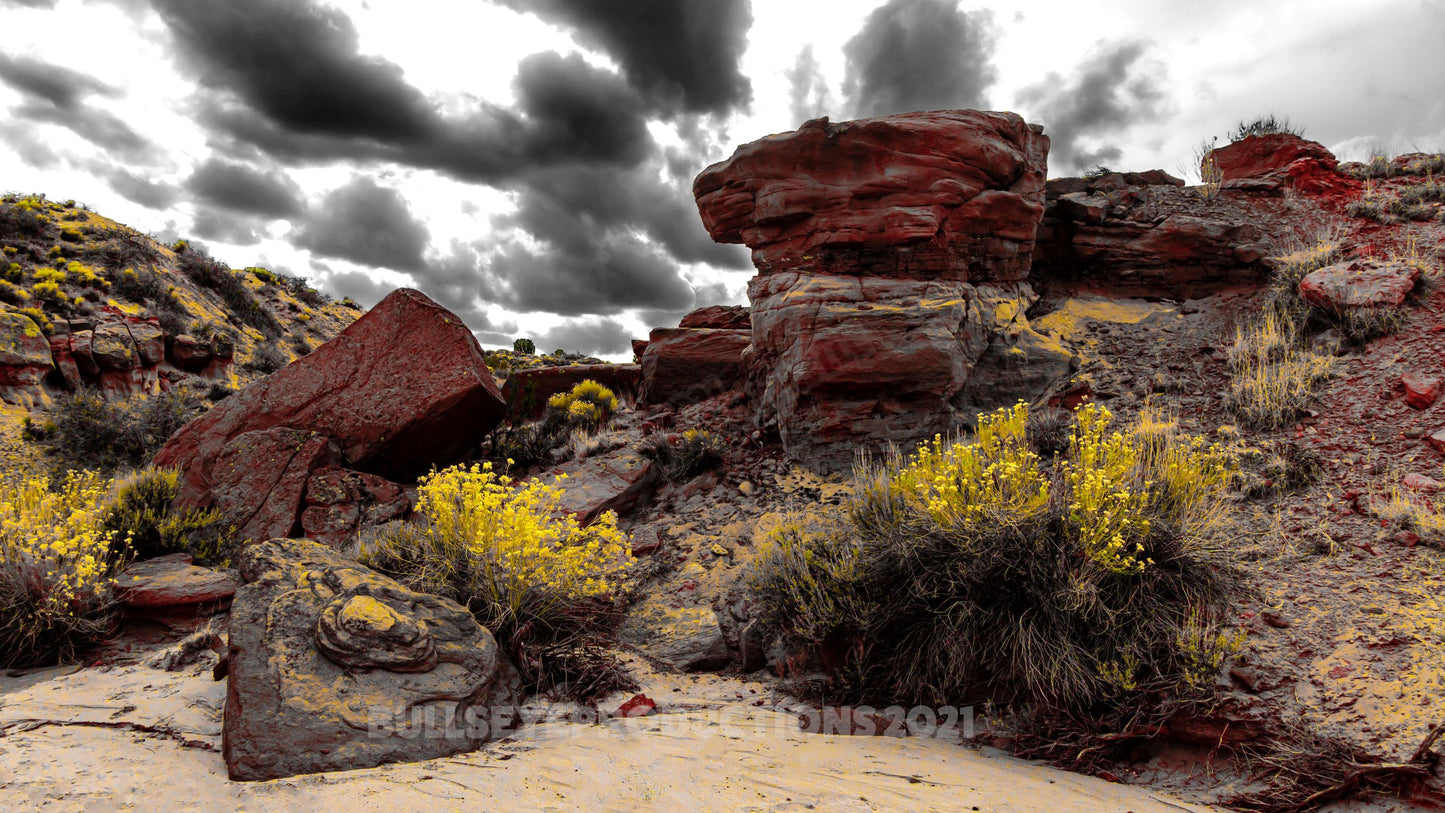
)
(682, 56)
(138, 189)
(920, 55)
(241, 188)
(808, 93)
(612, 274)
(366, 224)
(300, 90)
(55, 94)
(297, 63)
(1108, 92)
(590, 336)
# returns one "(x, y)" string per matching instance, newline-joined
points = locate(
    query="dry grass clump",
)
(974, 568)
(1273, 377)
(684, 455)
(1418, 201)
(1410, 510)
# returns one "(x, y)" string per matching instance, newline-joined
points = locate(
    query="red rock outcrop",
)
(25, 359)
(686, 365)
(951, 194)
(339, 503)
(1259, 155)
(1142, 234)
(718, 317)
(892, 254)
(258, 481)
(401, 389)
(171, 590)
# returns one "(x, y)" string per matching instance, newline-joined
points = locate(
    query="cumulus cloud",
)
(610, 274)
(227, 227)
(808, 94)
(1110, 91)
(60, 86)
(596, 337)
(241, 188)
(682, 56)
(920, 55)
(367, 224)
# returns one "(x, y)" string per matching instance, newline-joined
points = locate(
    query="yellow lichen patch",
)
(365, 612)
(1069, 317)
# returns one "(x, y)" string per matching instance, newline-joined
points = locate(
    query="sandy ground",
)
(138, 738)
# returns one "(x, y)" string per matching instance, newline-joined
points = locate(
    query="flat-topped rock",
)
(949, 194)
(171, 589)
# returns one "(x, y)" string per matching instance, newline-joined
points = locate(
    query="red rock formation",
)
(1259, 155)
(683, 365)
(891, 255)
(25, 359)
(402, 389)
(953, 194)
(340, 503)
(258, 481)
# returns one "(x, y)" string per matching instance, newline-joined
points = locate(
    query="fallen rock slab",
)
(688, 639)
(617, 481)
(684, 366)
(1359, 284)
(336, 667)
(172, 590)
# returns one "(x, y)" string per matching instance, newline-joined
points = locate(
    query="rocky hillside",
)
(88, 302)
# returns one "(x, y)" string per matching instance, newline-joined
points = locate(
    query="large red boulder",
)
(892, 254)
(684, 366)
(400, 390)
(1359, 284)
(1259, 155)
(949, 194)
(526, 391)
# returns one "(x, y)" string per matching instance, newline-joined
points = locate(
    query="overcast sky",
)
(528, 163)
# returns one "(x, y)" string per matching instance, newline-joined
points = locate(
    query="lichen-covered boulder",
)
(259, 479)
(400, 390)
(333, 666)
(25, 359)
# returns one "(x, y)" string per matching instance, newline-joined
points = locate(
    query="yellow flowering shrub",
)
(961, 484)
(589, 404)
(56, 563)
(509, 551)
(976, 568)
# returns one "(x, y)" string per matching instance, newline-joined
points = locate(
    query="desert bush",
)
(230, 286)
(524, 446)
(266, 275)
(88, 432)
(1276, 467)
(12, 294)
(525, 346)
(589, 404)
(1410, 510)
(143, 511)
(56, 564)
(1264, 125)
(684, 455)
(1210, 176)
(267, 358)
(23, 218)
(116, 249)
(70, 234)
(510, 554)
(1272, 376)
(582, 442)
(973, 568)
(39, 316)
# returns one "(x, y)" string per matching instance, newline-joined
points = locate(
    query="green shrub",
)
(56, 564)
(525, 346)
(263, 274)
(13, 272)
(684, 455)
(527, 445)
(93, 433)
(144, 512)
(974, 569)
(39, 316)
(22, 218)
(231, 287)
(12, 294)
(70, 234)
